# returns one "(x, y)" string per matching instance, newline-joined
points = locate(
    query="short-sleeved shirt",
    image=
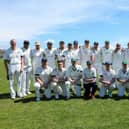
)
(108, 75)
(36, 56)
(44, 73)
(13, 56)
(27, 57)
(106, 54)
(123, 75)
(50, 55)
(74, 72)
(68, 55)
(89, 73)
(60, 74)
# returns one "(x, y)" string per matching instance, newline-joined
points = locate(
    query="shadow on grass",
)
(5, 96)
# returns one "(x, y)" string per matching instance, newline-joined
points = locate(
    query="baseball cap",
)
(75, 42)
(73, 59)
(37, 43)
(87, 41)
(62, 42)
(44, 59)
(88, 62)
(96, 43)
(124, 62)
(107, 63)
(26, 42)
(107, 42)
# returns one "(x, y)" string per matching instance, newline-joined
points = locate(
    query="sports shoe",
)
(29, 93)
(37, 99)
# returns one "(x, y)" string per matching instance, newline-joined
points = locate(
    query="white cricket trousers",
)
(14, 73)
(26, 79)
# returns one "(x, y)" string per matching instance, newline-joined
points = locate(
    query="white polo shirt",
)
(50, 55)
(108, 75)
(106, 54)
(89, 73)
(36, 56)
(68, 55)
(123, 75)
(13, 56)
(44, 74)
(27, 57)
(74, 72)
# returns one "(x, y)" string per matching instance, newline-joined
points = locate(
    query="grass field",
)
(72, 114)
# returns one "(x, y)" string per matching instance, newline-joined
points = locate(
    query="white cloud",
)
(27, 18)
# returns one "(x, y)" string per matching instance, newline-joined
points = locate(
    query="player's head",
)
(70, 47)
(37, 45)
(108, 66)
(13, 43)
(74, 61)
(96, 44)
(89, 64)
(128, 44)
(62, 44)
(60, 64)
(118, 46)
(125, 65)
(44, 62)
(50, 44)
(26, 44)
(87, 43)
(75, 44)
(107, 44)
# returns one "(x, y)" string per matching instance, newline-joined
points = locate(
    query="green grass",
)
(72, 114)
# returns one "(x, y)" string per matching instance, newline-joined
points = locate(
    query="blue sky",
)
(68, 20)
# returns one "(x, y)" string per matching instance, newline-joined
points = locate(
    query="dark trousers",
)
(90, 89)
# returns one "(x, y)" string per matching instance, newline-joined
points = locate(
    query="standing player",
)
(126, 53)
(49, 53)
(59, 52)
(107, 80)
(14, 64)
(117, 58)
(76, 50)
(97, 58)
(85, 53)
(42, 79)
(106, 53)
(74, 76)
(27, 68)
(68, 55)
(36, 55)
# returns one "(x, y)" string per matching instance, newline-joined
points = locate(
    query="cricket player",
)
(26, 78)
(85, 54)
(97, 63)
(123, 79)
(49, 53)
(14, 64)
(42, 79)
(68, 55)
(126, 53)
(58, 80)
(36, 56)
(107, 80)
(76, 50)
(59, 52)
(117, 58)
(106, 53)
(89, 81)
(74, 76)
